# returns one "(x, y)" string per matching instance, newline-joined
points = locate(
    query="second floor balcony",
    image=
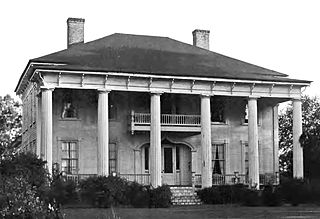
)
(169, 122)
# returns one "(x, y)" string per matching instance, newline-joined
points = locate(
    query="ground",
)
(204, 211)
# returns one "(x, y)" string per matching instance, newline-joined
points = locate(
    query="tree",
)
(10, 122)
(309, 139)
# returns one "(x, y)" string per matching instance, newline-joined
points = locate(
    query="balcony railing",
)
(172, 122)
(77, 177)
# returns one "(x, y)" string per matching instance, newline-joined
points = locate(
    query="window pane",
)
(146, 158)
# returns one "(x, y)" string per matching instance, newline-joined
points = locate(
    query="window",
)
(69, 158)
(112, 107)
(69, 110)
(217, 105)
(218, 158)
(246, 158)
(112, 158)
(246, 115)
(177, 158)
(146, 158)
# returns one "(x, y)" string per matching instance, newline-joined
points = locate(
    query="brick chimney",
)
(75, 31)
(201, 38)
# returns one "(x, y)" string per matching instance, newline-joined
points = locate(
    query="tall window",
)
(146, 158)
(177, 158)
(218, 158)
(112, 107)
(112, 158)
(217, 105)
(69, 110)
(69, 158)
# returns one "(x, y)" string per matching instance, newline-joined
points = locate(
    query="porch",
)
(217, 179)
(169, 122)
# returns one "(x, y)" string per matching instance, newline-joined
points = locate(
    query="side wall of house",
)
(29, 112)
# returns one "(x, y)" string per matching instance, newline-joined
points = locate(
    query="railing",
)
(143, 178)
(230, 179)
(167, 119)
(77, 177)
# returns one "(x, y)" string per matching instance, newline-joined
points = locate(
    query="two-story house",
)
(156, 110)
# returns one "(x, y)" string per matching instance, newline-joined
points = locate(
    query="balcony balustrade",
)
(169, 122)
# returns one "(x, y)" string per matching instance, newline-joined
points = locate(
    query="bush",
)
(18, 199)
(295, 191)
(251, 198)
(224, 194)
(63, 191)
(104, 191)
(271, 196)
(138, 195)
(160, 197)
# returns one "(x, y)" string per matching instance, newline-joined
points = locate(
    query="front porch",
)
(217, 179)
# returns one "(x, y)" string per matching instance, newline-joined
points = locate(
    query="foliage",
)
(63, 191)
(19, 199)
(271, 196)
(296, 191)
(310, 139)
(138, 195)
(160, 197)
(224, 194)
(10, 123)
(103, 191)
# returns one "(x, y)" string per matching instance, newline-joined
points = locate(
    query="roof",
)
(158, 56)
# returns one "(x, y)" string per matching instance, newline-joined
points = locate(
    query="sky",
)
(282, 35)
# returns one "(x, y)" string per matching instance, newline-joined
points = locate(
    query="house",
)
(156, 110)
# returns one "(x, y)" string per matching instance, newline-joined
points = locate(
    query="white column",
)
(46, 128)
(155, 141)
(103, 134)
(253, 142)
(206, 156)
(297, 131)
(38, 125)
(275, 139)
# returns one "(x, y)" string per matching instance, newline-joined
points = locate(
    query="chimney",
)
(75, 31)
(201, 38)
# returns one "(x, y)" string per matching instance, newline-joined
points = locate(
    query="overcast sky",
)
(282, 35)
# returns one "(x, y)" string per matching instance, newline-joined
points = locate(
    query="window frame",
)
(224, 160)
(77, 149)
(115, 159)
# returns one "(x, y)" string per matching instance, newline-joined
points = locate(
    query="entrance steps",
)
(184, 195)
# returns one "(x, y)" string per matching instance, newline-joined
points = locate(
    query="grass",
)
(204, 211)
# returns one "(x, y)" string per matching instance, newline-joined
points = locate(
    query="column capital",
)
(253, 97)
(156, 92)
(44, 88)
(103, 90)
(206, 95)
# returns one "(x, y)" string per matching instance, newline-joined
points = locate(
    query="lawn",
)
(203, 211)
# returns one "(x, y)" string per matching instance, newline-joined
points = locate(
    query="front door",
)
(168, 165)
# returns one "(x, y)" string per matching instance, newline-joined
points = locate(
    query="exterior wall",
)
(29, 107)
(130, 156)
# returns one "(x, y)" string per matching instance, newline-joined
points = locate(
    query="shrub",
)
(271, 196)
(295, 191)
(138, 195)
(251, 198)
(104, 191)
(224, 194)
(63, 191)
(160, 197)
(18, 199)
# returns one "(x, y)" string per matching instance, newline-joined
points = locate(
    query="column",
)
(103, 133)
(155, 141)
(275, 139)
(253, 142)
(297, 131)
(206, 156)
(38, 125)
(46, 128)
